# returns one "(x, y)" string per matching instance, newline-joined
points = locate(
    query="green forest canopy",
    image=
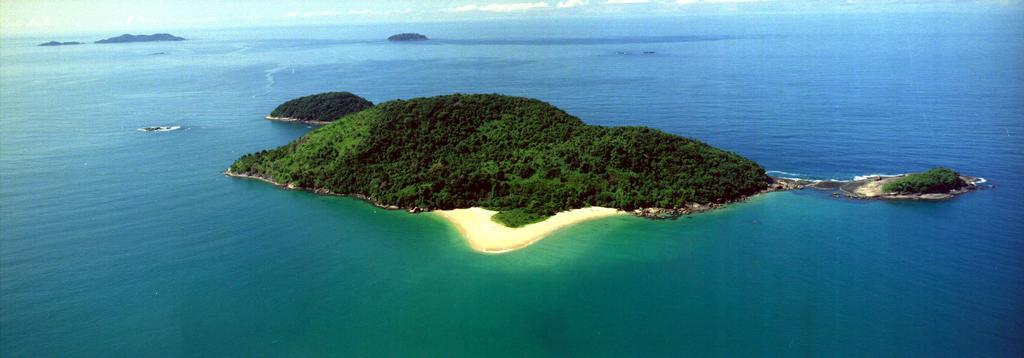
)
(323, 107)
(504, 153)
(935, 180)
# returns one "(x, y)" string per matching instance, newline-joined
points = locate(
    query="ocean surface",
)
(116, 242)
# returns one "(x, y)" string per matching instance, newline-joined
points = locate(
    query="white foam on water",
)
(268, 75)
(782, 173)
(159, 129)
(862, 177)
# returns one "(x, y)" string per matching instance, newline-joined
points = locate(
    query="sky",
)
(69, 16)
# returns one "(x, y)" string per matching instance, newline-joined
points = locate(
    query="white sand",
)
(487, 236)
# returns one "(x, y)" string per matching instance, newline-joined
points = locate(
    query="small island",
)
(320, 108)
(58, 43)
(140, 38)
(933, 184)
(408, 36)
(508, 171)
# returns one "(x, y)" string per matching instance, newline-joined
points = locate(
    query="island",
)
(320, 108)
(508, 171)
(522, 158)
(933, 184)
(140, 38)
(408, 36)
(58, 43)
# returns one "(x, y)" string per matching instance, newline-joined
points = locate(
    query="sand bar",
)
(485, 235)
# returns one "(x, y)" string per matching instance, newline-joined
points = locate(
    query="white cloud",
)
(318, 13)
(686, 2)
(522, 6)
(620, 2)
(571, 3)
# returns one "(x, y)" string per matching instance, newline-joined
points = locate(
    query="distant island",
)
(408, 36)
(320, 108)
(57, 43)
(140, 38)
(507, 171)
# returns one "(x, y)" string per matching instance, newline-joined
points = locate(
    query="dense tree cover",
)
(503, 153)
(323, 107)
(517, 217)
(935, 180)
(407, 36)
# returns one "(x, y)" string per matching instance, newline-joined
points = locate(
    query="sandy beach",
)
(485, 235)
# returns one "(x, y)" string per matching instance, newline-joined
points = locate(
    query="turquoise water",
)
(120, 242)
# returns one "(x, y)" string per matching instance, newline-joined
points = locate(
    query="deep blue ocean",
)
(116, 242)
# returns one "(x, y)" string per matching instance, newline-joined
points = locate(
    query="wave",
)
(268, 75)
(862, 177)
(811, 178)
(795, 176)
(779, 172)
(159, 129)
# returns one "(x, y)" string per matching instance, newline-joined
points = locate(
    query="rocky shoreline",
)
(863, 189)
(293, 120)
(649, 213)
(322, 191)
(776, 184)
(869, 188)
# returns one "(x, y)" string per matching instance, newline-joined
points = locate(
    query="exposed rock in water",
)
(867, 188)
(159, 128)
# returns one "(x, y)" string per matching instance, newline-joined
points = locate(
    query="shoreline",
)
(870, 188)
(474, 224)
(489, 237)
(295, 120)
